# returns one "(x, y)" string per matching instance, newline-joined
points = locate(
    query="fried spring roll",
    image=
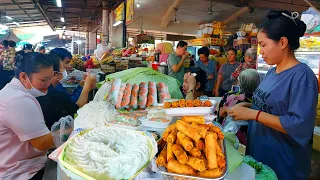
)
(197, 103)
(189, 103)
(196, 163)
(207, 103)
(202, 130)
(162, 158)
(195, 152)
(176, 167)
(167, 105)
(180, 154)
(185, 141)
(200, 145)
(168, 131)
(195, 119)
(172, 136)
(210, 151)
(213, 173)
(170, 154)
(221, 161)
(177, 140)
(188, 130)
(175, 104)
(214, 129)
(182, 103)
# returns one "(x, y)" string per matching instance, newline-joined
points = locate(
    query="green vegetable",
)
(142, 74)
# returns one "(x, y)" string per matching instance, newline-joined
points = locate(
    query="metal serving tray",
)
(173, 176)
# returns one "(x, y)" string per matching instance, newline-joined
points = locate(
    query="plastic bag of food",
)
(163, 92)
(126, 96)
(61, 130)
(134, 96)
(152, 96)
(120, 96)
(143, 94)
(230, 125)
(263, 172)
(114, 91)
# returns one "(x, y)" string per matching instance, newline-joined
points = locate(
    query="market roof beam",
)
(278, 5)
(17, 3)
(236, 15)
(167, 16)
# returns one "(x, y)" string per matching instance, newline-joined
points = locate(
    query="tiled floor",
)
(315, 166)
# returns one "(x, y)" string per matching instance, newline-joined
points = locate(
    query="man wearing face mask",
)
(56, 103)
(66, 57)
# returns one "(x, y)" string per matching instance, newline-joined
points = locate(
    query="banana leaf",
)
(142, 74)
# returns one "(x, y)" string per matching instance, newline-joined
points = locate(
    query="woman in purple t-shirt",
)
(283, 111)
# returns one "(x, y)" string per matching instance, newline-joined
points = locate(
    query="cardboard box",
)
(242, 41)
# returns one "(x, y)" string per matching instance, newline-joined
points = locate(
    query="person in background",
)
(194, 84)
(248, 80)
(192, 61)
(250, 62)
(283, 110)
(207, 66)
(42, 50)
(224, 81)
(8, 61)
(27, 48)
(56, 103)
(25, 139)
(176, 61)
(4, 46)
(66, 57)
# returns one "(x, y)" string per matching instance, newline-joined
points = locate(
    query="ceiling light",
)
(59, 3)
(8, 17)
(62, 19)
(138, 5)
(79, 42)
(117, 23)
(17, 24)
(64, 27)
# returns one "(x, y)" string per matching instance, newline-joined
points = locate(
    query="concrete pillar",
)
(87, 51)
(105, 23)
(111, 33)
(92, 41)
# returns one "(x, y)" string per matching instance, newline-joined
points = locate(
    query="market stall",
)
(142, 106)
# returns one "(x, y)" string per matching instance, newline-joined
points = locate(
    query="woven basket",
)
(316, 139)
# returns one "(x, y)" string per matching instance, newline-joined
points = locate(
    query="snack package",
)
(120, 96)
(114, 91)
(143, 94)
(152, 96)
(126, 96)
(134, 96)
(163, 92)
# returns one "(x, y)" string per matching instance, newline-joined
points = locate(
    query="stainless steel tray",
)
(173, 176)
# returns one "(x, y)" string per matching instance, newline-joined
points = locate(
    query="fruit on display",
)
(92, 63)
(77, 63)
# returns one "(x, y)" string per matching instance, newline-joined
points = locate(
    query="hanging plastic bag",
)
(61, 130)
(103, 90)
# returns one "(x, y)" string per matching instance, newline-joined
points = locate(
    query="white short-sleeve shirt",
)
(21, 119)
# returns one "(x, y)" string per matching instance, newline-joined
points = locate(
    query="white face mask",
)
(35, 92)
(65, 77)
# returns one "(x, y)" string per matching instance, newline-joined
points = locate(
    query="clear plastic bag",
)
(230, 125)
(61, 130)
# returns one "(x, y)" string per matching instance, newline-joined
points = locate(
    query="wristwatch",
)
(190, 91)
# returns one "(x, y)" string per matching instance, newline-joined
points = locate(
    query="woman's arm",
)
(217, 86)
(88, 86)
(244, 113)
(43, 143)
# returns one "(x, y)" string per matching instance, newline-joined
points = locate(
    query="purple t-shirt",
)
(21, 119)
(293, 96)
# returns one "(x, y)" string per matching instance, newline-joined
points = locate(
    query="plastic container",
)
(155, 66)
(191, 111)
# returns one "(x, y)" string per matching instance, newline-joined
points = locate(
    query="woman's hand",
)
(90, 83)
(239, 112)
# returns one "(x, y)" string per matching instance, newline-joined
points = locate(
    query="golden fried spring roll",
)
(185, 141)
(196, 163)
(175, 104)
(197, 103)
(221, 135)
(213, 173)
(210, 151)
(221, 161)
(162, 158)
(195, 152)
(170, 154)
(182, 103)
(214, 129)
(176, 167)
(207, 103)
(188, 130)
(199, 145)
(172, 136)
(195, 119)
(180, 154)
(189, 103)
(168, 131)
(202, 130)
(167, 105)
(177, 140)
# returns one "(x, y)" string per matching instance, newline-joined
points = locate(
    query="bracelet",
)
(258, 115)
